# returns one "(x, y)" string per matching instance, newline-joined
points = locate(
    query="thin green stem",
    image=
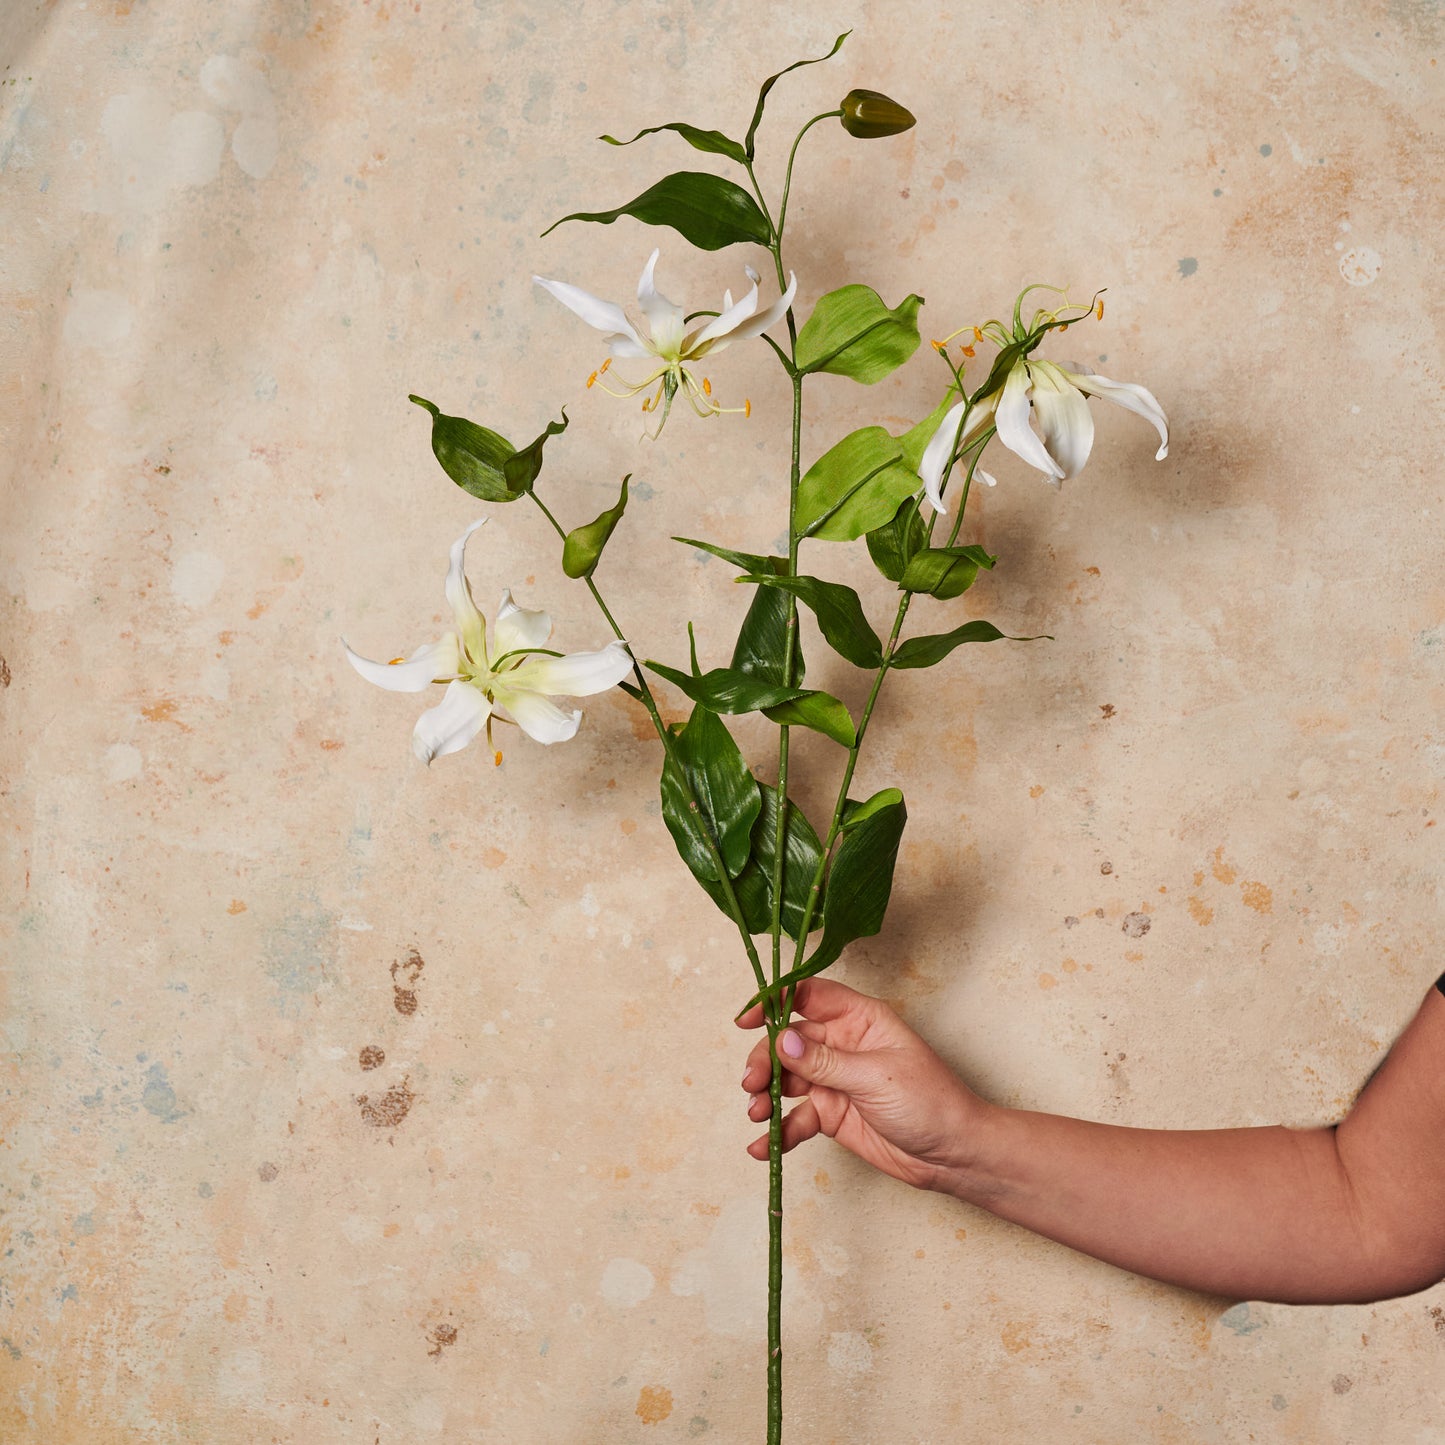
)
(788, 177)
(650, 703)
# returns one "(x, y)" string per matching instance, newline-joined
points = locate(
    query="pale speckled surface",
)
(233, 238)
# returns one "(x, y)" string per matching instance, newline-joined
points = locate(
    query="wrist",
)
(972, 1171)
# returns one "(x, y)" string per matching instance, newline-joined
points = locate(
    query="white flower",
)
(519, 673)
(668, 341)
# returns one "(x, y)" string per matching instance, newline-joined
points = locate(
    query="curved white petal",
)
(471, 625)
(452, 723)
(979, 475)
(518, 629)
(756, 325)
(626, 348)
(540, 718)
(733, 314)
(937, 453)
(431, 662)
(1012, 419)
(604, 316)
(1065, 423)
(1131, 397)
(664, 317)
(578, 675)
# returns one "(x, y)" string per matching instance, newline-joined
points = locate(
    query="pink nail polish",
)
(791, 1044)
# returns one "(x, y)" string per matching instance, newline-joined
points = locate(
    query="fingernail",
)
(791, 1044)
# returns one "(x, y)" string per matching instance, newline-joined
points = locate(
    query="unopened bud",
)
(867, 114)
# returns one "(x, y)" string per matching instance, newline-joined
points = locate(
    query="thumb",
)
(820, 1063)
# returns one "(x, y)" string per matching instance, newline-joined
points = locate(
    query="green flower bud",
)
(868, 114)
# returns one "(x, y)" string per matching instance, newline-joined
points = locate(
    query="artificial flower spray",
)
(798, 890)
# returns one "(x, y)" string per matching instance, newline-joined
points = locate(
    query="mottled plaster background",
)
(348, 1101)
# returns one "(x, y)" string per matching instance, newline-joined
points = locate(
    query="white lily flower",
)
(668, 341)
(518, 673)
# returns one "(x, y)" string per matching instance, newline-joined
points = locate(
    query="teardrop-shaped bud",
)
(868, 114)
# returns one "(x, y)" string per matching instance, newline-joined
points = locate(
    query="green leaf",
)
(754, 885)
(820, 711)
(471, 456)
(725, 689)
(746, 561)
(852, 333)
(582, 546)
(707, 210)
(522, 468)
(712, 141)
(892, 545)
(839, 612)
(763, 641)
(926, 651)
(860, 880)
(727, 801)
(944, 571)
(772, 80)
(854, 486)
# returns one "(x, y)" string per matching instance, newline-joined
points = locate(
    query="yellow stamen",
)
(706, 387)
(977, 334)
(1099, 309)
(1063, 328)
(395, 660)
(592, 380)
(938, 346)
(647, 403)
(497, 759)
(969, 352)
(747, 408)
(602, 370)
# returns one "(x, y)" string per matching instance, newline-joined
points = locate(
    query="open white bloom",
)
(668, 341)
(519, 673)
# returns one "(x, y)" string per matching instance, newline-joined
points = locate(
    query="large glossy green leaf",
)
(709, 787)
(754, 885)
(725, 689)
(839, 612)
(893, 544)
(761, 650)
(712, 141)
(523, 467)
(707, 210)
(860, 881)
(854, 486)
(471, 455)
(820, 711)
(772, 80)
(852, 333)
(582, 546)
(926, 651)
(944, 572)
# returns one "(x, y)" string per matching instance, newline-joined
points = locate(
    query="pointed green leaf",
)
(712, 141)
(860, 880)
(762, 645)
(582, 547)
(817, 710)
(926, 651)
(470, 455)
(772, 80)
(892, 545)
(522, 468)
(839, 612)
(746, 561)
(754, 885)
(707, 210)
(852, 333)
(708, 763)
(854, 486)
(944, 571)
(727, 690)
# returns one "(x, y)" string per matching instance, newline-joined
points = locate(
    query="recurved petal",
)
(937, 453)
(519, 629)
(1131, 397)
(540, 718)
(664, 317)
(756, 325)
(1012, 420)
(1065, 423)
(432, 662)
(578, 675)
(452, 723)
(733, 314)
(471, 625)
(604, 316)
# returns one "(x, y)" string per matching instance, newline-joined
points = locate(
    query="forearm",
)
(1248, 1213)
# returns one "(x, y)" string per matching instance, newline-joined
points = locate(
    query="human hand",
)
(868, 1081)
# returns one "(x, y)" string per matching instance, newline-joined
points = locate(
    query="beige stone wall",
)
(234, 236)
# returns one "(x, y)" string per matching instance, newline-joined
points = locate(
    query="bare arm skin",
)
(1311, 1216)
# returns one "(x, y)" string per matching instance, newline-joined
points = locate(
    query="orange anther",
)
(497, 760)
(706, 387)
(747, 407)
(591, 380)
(1063, 328)
(938, 346)
(395, 660)
(977, 334)
(1099, 309)
(969, 351)
(603, 368)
